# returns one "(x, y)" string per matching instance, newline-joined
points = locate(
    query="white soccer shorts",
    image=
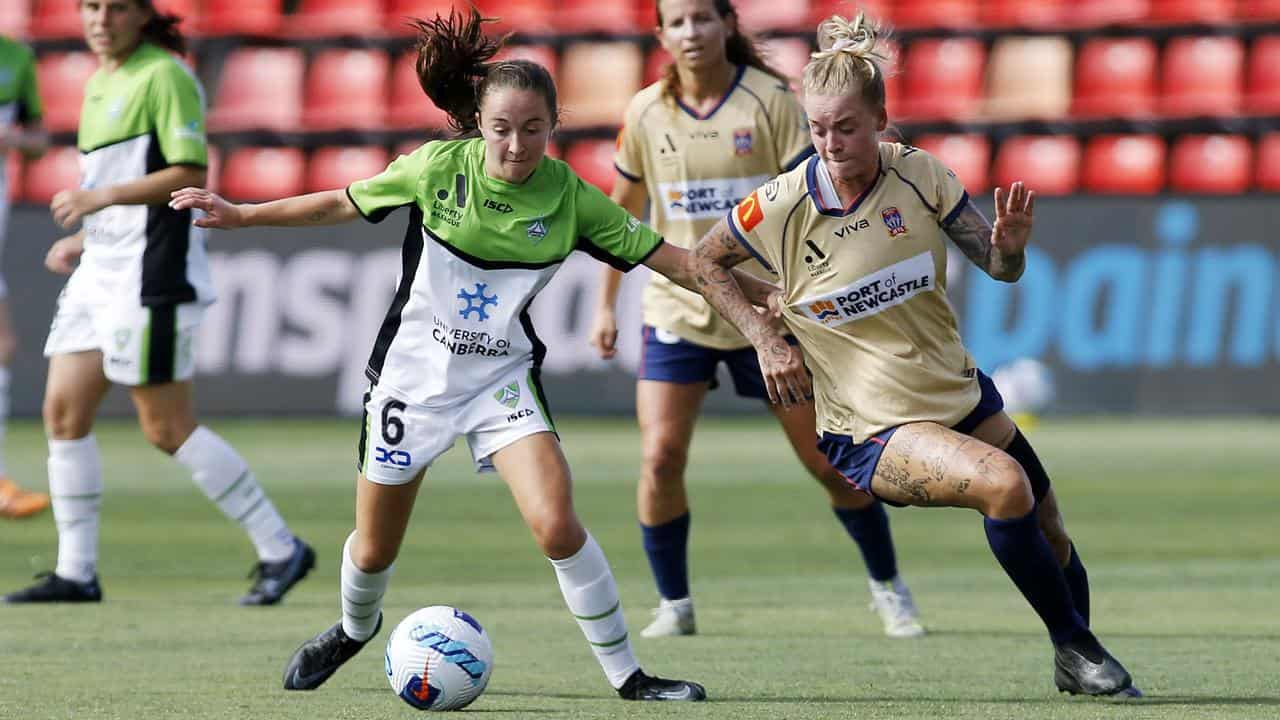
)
(400, 439)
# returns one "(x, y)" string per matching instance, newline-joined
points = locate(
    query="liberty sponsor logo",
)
(706, 199)
(442, 212)
(476, 301)
(461, 341)
(537, 229)
(816, 261)
(743, 142)
(873, 294)
(508, 395)
(893, 220)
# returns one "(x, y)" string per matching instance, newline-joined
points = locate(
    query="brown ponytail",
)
(740, 49)
(162, 30)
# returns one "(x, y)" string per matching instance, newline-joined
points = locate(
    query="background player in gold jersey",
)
(856, 236)
(693, 144)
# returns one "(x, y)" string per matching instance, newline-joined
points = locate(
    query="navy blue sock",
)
(1026, 557)
(869, 528)
(667, 547)
(1078, 581)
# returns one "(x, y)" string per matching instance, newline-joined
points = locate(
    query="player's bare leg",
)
(535, 470)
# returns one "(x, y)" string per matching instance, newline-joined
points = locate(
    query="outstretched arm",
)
(330, 207)
(781, 364)
(1000, 249)
(672, 262)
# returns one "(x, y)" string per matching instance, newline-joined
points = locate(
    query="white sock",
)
(75, 487)
(226, 479)
(4, 412)
(361, 595)
(592, 596)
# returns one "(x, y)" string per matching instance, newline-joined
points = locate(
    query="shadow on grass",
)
(1171, 700)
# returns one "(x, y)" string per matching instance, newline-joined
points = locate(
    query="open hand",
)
(218, 213)
(1012, 228)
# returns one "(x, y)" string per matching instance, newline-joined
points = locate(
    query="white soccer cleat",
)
(672, 618)
(892, 601)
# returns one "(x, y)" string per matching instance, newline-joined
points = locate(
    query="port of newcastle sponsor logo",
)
(703, 199)
(872, 294)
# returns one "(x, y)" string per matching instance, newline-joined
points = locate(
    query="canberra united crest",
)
(509, 395)
(537, 229)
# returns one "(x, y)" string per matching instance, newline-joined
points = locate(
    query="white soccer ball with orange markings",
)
(439, 658)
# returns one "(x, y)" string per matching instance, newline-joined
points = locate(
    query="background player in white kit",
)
(491, 220)
(130, 310)
(693, 144)
(21, 130)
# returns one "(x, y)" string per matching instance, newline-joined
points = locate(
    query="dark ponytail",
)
(740, 49)
(455, 71)
(162, 30)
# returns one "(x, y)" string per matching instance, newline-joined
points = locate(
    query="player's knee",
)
(558, 535)
(1009, 494)
(164, 434)
(664, 463)
(62, 419)
(372, 556)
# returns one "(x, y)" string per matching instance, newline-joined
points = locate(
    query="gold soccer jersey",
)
(865, 289)
(696, 168)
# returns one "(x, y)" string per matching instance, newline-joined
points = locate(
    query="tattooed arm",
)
(781, 364)
(672, 262)
(330, 207)
(999, 249)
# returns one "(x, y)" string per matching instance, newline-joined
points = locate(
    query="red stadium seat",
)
(968, 156)
(187, 10)
(1202, 76)
(788, 56)
(1210, 164)
(15, 18)
(13, 175)
(592, 15)
(337, 167)
(1048, 164)
(586, 100)
(879, 10)
(1023, 13)
(544, 55)
(1268, 175)
(1263, 94)
(1258, 10)
(1115, 77)
(236, 17)
(942, 79)
(346, 90)
(1097, 13)
(52, 19)
(1124, 164)
(62, 77)
(935, 13)
(318, 18)
(409, 106)
(258, 174)
(51, 173)
(1175, 12)
(259, 88)
(593, 161)
(755, 16)
(525, 16)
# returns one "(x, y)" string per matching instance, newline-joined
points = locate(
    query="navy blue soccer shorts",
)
(857, 462)
(665, 357)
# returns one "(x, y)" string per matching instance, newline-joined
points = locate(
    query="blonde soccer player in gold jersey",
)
(693, 144)
(857, 238)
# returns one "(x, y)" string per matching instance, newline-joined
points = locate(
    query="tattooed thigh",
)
(928, 464)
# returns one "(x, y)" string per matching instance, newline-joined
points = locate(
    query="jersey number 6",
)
(392, 426)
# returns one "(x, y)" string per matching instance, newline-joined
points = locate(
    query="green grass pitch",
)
(1175, 519)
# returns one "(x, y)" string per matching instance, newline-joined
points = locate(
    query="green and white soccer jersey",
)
(19, 105)
(146, 115)
(476, 253)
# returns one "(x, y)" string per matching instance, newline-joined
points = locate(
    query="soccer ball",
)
(439, 658)
(1026, 385)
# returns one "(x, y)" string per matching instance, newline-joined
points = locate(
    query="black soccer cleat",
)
(321, 656)
(643, 687)
(273, 580)
(1084, 667)
(54, 588)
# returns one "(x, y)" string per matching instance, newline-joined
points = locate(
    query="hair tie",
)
(840, 44)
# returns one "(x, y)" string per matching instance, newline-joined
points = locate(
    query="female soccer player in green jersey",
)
(130, 311)
(694, 143)
(20, 130)
(902, 411)
(491, 219)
